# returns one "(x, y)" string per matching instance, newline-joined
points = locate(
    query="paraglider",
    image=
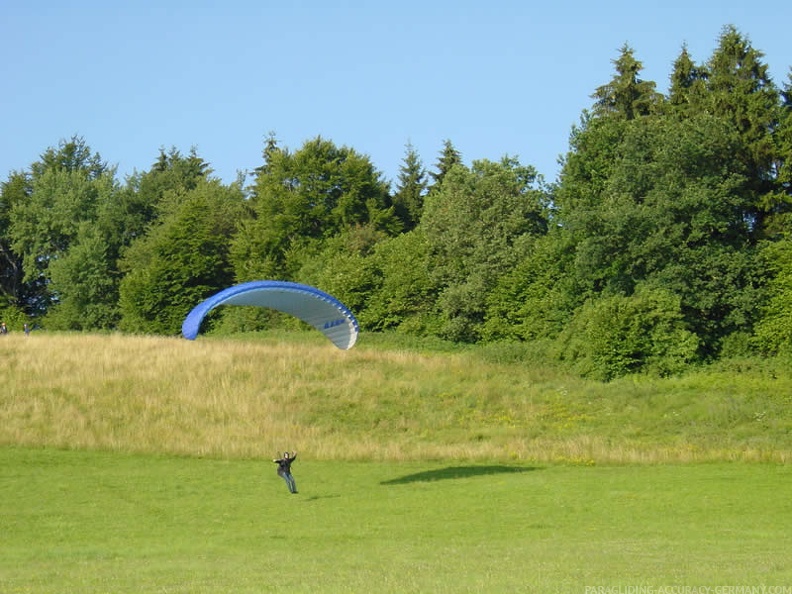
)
(313, 306)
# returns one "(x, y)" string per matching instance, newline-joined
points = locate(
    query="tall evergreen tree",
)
(739, 89)
(410, 189)
(271, 148)
(778, 222)
(784, 137)
(687, 81)
(627, 96)
(449, 157)
(70, 155)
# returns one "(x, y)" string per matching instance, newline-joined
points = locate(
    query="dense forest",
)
(666, 239)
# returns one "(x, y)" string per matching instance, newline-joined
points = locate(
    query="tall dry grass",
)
(251, 398)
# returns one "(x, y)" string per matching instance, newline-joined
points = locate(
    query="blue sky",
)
(501, 77)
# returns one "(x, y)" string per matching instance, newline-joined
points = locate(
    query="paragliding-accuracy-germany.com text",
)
(763, 589)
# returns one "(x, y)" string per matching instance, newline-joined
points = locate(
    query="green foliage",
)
(593, 151)
(674, 208)
(614, 336)
(537, 298)
(87, 294)
(778, 203)
(70, 155)
(478, 225)
(626, 96)
(774, 328)
(142, 200)
(181, 261)
(689, 194)
(45, 224)
(237, 320)
(343, 267)
(13, 317)
(309, 196)
(740, 88)
(687, 81)
(721, 292)
(737, 88)
(12, 289)
(404, 295)
(679, 196)
(673, 187)
(66, 190)
(410, 190)
(449, 158)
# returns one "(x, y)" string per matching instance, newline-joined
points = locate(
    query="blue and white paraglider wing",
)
(315, 307)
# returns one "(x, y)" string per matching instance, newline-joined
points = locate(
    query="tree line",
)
(665, 240)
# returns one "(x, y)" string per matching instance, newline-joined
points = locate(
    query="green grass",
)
(92, 522)
(142, 464)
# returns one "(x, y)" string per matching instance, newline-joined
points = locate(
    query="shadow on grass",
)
(456, 472)
(316, 497)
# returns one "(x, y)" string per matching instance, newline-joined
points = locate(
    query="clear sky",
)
(496, 77)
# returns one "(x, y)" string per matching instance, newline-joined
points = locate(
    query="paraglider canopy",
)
(315, 307)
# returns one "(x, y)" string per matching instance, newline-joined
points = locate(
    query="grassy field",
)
(142, 464)
(93, 522)
(245, 398)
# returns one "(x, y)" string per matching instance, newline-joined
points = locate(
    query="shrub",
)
(616, 335)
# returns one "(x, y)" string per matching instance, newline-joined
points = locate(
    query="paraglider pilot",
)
(284, 470)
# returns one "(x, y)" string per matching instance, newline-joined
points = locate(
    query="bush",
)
(14, 318)
(616, 335)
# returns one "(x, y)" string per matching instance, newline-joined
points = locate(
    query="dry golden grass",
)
(151, 394)
(241, 399)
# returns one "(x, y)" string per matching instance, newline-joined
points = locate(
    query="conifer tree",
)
(449, 157)
(687, 80)
(627, 96)
(739, 88)
(270, 149)
(778, 221)
(410, 190)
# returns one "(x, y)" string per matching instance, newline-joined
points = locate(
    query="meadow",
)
(382, 401)
(142, 464)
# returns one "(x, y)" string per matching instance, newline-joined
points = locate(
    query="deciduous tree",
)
(478, 225)
(182, 260)
(300, 200)
(67, 186)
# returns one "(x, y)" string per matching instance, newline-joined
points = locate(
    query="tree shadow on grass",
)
(456, 472)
